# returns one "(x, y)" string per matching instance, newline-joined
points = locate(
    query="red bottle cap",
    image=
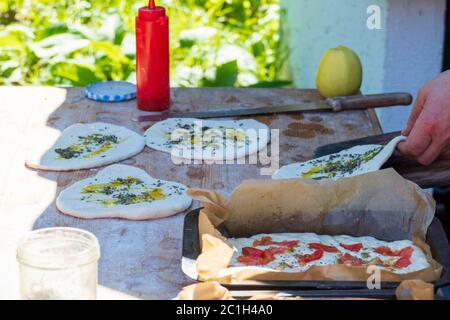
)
(151, 12)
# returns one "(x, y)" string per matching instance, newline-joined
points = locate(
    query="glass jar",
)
(58, 263)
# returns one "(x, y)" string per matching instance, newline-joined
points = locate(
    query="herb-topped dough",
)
(121, 191)
(208, 139)
(83, 146)
(347, 163)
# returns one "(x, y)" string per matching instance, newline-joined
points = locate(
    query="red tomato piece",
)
(248, 261)
(405, 257)
(252, 252)
(266, 241)
(267, 257)
(323, 247)
(264, 259)
(307, 258)
(350, 260)
(255, 257)
(385, 251)
(402, 262)
(407, 251)
(352, 247)
(290, 244)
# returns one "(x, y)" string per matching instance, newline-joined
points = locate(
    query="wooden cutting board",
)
(435, 175)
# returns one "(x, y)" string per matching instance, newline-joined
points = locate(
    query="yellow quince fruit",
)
(339, 73)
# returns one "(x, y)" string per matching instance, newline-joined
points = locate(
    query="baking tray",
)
(436, 239)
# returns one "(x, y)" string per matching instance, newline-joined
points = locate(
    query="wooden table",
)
(139, 259)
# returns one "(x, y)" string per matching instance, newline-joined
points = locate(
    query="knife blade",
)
(226, 113)
(331, 104)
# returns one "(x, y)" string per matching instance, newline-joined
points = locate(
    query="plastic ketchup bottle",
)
(152, 58)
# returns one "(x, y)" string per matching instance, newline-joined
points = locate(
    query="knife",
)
(331, 104)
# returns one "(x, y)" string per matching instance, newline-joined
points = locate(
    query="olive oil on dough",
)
(211, 140)
(121, 191)
(84, 146)
(347, 163)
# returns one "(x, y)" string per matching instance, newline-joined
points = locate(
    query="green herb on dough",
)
(130, 198)
(87, 146)
(341, 166)
(211, 137)
(120, 192)
(284, 265)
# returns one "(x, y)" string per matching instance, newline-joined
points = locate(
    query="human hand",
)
(428, 128)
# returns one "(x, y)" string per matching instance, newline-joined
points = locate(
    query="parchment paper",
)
(415, 290)
(380, 204)
(205, 291)
(214, 291)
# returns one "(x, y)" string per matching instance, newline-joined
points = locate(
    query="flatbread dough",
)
(83, 146)
(198, 139)
(337, 250)
(347, 163)
(121, 191)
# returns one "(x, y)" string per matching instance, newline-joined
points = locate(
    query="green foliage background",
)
(75, 42)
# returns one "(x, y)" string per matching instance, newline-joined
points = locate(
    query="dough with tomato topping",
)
(297, 252)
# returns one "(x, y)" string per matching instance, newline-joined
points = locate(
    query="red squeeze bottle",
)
(152, 58)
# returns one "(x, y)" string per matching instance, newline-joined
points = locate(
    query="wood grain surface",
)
(139, 259)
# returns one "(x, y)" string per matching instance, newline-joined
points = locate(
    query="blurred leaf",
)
(236, 10)
(78, 75)
(7, 68)
(4, 5)
(190, 37)
(56, 28)
(186, 43)
(226, 75)
(10, 41)
(244, 59)
(128, 45)
(112, 51)
(113, 29)
(258, 49)
(200, 3)
(60, 44)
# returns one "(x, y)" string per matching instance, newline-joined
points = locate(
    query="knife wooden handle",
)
(370, 101)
